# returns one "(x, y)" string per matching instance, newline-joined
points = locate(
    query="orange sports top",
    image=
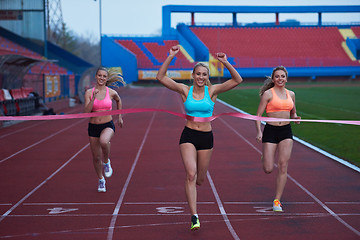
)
(278, 105)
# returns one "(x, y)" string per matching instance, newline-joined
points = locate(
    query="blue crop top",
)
(199, 108)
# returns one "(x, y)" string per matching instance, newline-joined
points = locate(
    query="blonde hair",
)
(201, 64)
(114, 77)
(268, 83)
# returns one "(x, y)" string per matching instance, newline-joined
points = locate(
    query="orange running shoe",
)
(277, 207)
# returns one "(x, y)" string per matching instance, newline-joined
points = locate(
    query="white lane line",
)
(122, 195)
(218, 201)
(164, 203)
(41, 184)
(44, 139)
(302, 187)
(60, 203)
(266, 203)
(325, 207)
(31, 126)
(20, 130)
(329, 155)
(221, 207)
(282, 214)
(345, 203)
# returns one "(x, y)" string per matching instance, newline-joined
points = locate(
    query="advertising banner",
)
(52, 86)
(174, 74)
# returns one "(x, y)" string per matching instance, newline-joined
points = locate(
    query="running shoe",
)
(101, 186)
(277, 207)
(107, 169)
(195, 223)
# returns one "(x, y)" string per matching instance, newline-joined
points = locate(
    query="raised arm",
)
(164, 79)
(235, 80)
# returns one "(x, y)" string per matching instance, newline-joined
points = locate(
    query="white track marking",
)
(41, 184)
(345, 203)
(300, 186)
(274, 214)
(122, 195)
(42, 140)
(164, 203)
(98, 229)
(20, 130)
(329, 155)
(266, 203)
(60, 203)
(221, 208)
(325, 207)
(31, 126)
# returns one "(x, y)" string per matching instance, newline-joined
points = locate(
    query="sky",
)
(144, 17)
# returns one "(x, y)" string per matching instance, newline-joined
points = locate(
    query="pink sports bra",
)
(102, 105)
(278, 105)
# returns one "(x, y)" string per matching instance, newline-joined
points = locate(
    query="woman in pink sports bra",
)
(277, 136)
(101, 128)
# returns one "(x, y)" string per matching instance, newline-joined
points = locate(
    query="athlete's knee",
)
(283, 165)
(268, 169)
(104, 144)
(191, 177)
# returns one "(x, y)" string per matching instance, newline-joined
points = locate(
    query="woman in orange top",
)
(277, 136)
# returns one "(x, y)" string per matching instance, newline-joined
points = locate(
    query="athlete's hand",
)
(221, 57)
(259, 137)
(96, 91)
(174, 50)
(121, 122)
(297, 117)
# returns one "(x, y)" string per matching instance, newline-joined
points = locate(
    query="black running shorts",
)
(94, 130)
(275, 134)
(201, 140)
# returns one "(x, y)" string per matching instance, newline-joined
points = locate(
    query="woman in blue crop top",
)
(196, 142)
(101, 128)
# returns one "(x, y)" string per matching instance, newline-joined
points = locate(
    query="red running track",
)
(49, 187)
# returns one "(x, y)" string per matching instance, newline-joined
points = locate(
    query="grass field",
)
(330, 101)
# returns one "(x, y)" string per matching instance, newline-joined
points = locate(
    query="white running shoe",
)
(101, 185)
(277, 207)
(107, 169)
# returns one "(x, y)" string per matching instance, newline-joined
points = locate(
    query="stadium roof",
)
(168, 9)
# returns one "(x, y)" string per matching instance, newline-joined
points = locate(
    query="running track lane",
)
(51, 187)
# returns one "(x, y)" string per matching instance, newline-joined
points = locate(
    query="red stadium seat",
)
(288, 46)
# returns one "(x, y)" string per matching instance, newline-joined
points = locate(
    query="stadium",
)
(45, 163)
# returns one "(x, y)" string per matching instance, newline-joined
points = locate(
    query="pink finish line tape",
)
(196, 119)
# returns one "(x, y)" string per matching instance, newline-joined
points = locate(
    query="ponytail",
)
(114, 76)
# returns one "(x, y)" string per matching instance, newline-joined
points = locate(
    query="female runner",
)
(196, 142)
(101, 128)
(277, 136)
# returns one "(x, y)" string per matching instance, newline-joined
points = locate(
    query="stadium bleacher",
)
(270, 46)
(16, 101)
(356, 30)
(8, 47)
(152, 53)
